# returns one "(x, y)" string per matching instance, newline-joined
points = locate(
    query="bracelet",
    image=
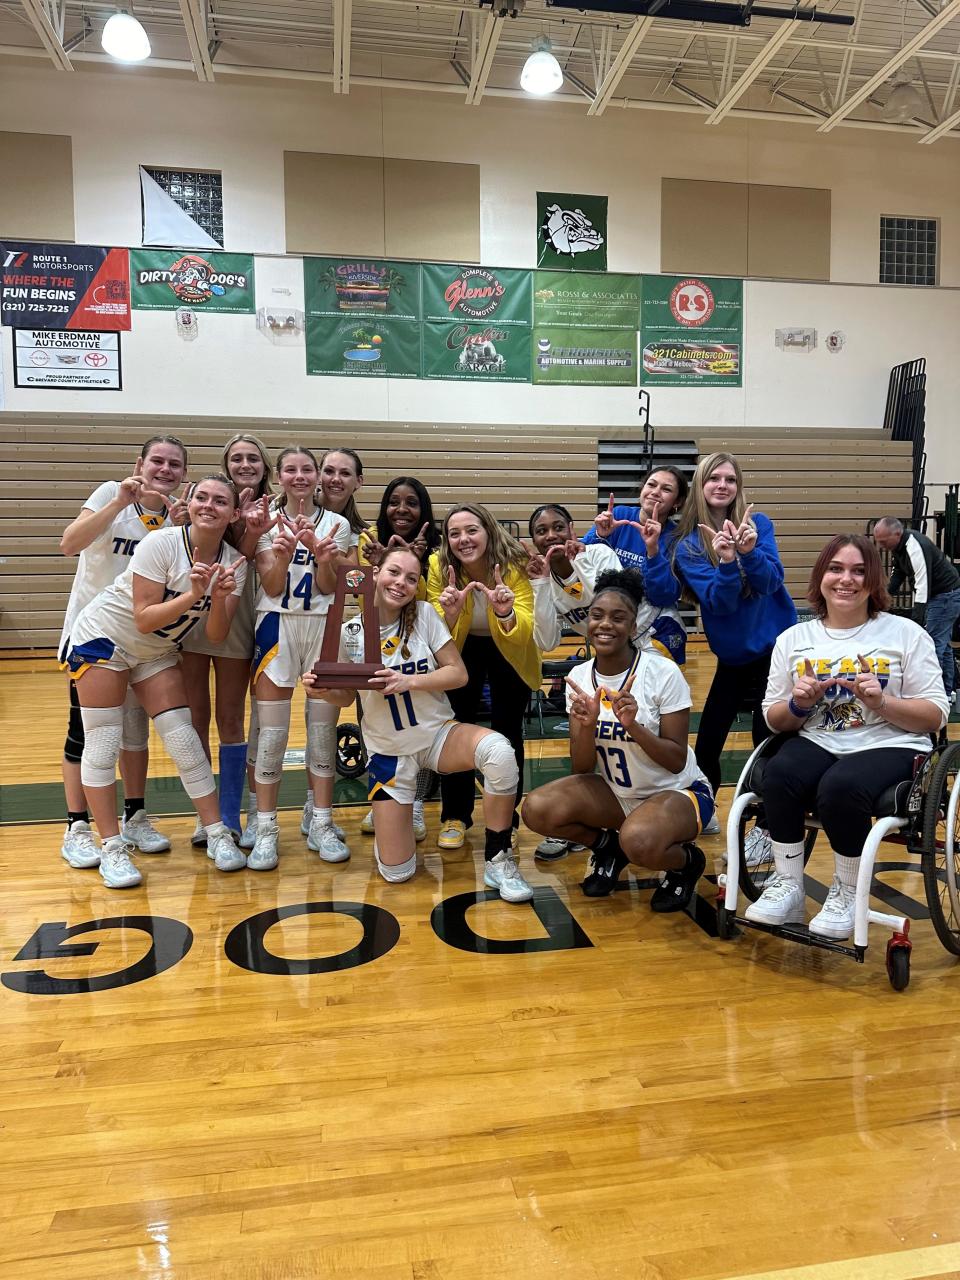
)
(796, 710)
(883, 702)
(504, 616)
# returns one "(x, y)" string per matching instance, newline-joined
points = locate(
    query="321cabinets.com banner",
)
(691, 332)
(58, 286)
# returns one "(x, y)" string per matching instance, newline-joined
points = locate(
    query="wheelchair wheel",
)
(756, 855)
(940, 859)
(898, 966)
(351, 756)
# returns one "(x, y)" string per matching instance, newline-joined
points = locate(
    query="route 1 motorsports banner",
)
(168, 279)
(691, 331)
(58, 286)
(54, 360)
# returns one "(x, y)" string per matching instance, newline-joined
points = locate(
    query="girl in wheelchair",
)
(630, 712)
(861, 690)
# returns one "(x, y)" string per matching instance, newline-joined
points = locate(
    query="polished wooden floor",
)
(643, 1102)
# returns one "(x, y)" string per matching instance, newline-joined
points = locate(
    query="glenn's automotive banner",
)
(584, 357)
(691, 331)
(59, 286)
(592, 300)
(361, 287)
(476, 295)
(58, 360)
(168, 279)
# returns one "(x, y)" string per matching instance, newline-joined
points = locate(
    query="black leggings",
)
(509, 697)
(843, 790)
(732, 688)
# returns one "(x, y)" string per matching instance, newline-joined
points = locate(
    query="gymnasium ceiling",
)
(833, 76)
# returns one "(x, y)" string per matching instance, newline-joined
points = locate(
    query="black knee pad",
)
(73, 746)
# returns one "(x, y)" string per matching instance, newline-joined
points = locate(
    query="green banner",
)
(691, 331)
(361, 287)
(584, 357)
(584, 300)
(571, 231)
(363, 348)
(476, 352)
(167, 279)
(476, 295)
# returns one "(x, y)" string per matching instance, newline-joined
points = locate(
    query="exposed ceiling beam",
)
(799, 102)
(766, 54)
(945, 125)
(848, 56)
(342, 42)
(194, 17)
(620, 64)
(946, 15)
(484, 53)
(46, 18)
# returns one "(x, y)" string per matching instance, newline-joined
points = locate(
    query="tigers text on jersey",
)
(659, 689)
(398, 724)
(107, 556)
(300, 593)
(164, 556)
(566, 604)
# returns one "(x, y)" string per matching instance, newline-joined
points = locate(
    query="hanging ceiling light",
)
(541, 72)
(125, 39)
(903, 103)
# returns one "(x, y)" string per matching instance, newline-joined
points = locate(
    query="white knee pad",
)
(274, 720)
(253, 733)
(321, 737)
(495, 759)
(402, 871)
(102, 736)
(186, 751)
(136, 724)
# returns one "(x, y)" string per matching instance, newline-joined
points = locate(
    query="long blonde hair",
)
(502, 548)
(696, 512)
(408, 615)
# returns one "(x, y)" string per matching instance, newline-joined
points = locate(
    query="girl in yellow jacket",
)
(477, 582)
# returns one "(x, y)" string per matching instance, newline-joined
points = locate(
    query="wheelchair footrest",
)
(801, 933)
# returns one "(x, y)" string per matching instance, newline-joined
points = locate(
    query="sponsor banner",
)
(571, 231)
(476, 295)
(361, 287)
(58, 286)
(476, 352)
(691, 331)
(361, 347)
(168, 279)
(584, 357)
(52, 359)
(586, 301)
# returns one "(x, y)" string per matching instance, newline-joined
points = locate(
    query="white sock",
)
(308, 803)
(788, 859)
(266, 819)
(252, 807)
(418, 810)
(847, 869)
(215, 829)
(324, 816)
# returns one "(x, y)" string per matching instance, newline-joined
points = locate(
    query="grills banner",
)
(361, 287)
(691, 331)
(167, 279)
(571, 231)
(58, 286)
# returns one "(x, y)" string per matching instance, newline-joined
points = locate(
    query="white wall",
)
(119, 120)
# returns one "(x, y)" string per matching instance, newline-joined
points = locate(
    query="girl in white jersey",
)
(110, 526)
(629, 713)
(408, 725)
(130, 636)
(297, 559)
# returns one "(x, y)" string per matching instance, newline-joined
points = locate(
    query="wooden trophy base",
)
(345, 675)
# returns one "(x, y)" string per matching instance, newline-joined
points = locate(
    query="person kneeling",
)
(630, 711)
(408, 726)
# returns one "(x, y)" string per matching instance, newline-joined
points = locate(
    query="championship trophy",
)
(330, 673)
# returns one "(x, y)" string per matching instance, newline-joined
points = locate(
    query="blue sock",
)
(233, 774)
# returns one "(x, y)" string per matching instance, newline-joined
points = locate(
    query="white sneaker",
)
(265, 856)
(552, 848)
(199, 837)
(503, 873)
(79, 847)
(757, 847)
(116, 866)
(224, 853)
(326, 842)
(249, 837)
(140, 831)
(835, 917)
(782, 902)
(419, 826)
(307, 817)
(713, 827)
(366, 823)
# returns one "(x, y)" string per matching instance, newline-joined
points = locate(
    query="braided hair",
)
(408, 615)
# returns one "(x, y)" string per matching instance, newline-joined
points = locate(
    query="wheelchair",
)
(921, 814)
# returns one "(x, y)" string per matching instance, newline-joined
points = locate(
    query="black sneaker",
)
(607, 866)
(677, 887)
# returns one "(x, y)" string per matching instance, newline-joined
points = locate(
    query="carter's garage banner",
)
(476, 295)
(691, 332)
(584, 357)
(477, 352)
(586, 300)
(571, 231)
(57, 286)
(167, 279)
(360, 346)
(361, 287)
(58, 360)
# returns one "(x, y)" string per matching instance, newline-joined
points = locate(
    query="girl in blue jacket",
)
(731, 564)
